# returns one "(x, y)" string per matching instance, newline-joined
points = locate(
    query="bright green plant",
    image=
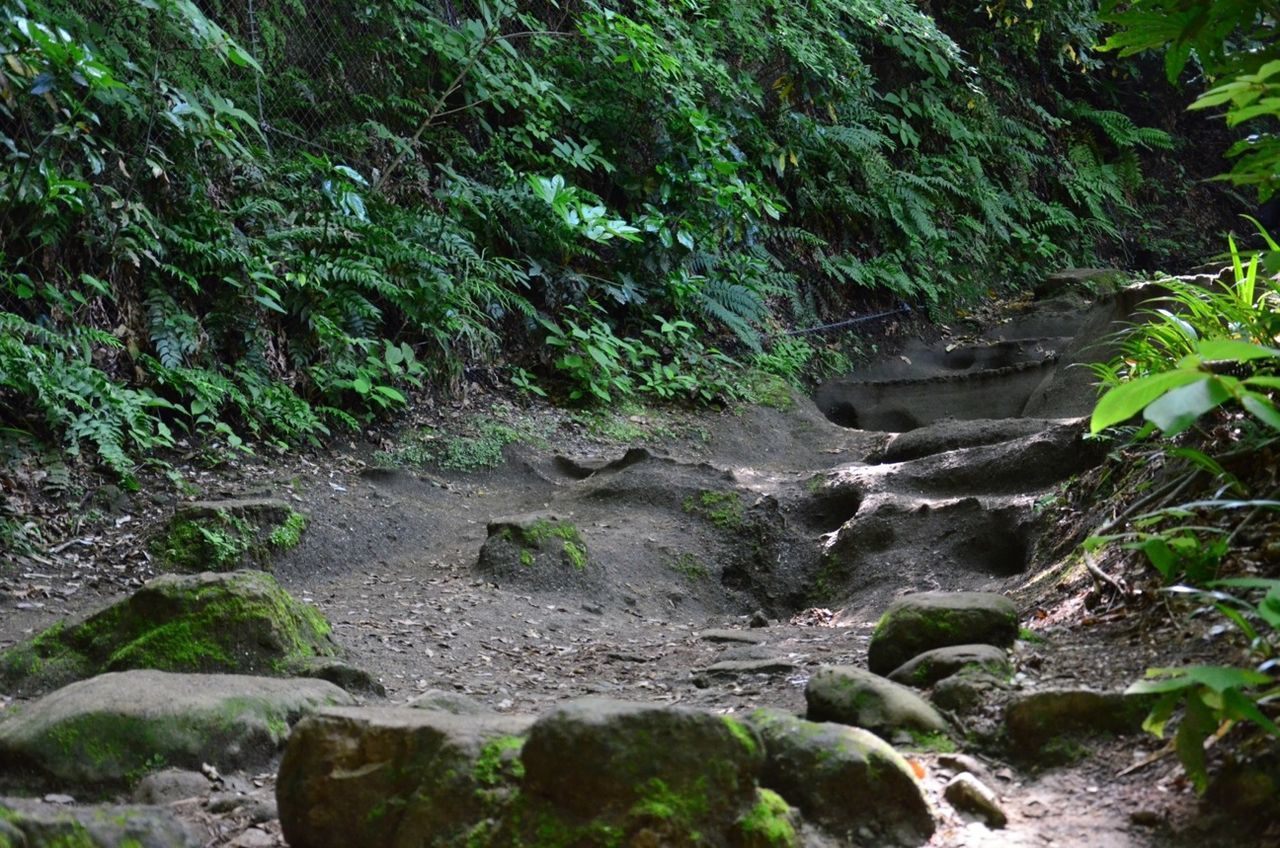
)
(1198, 350)
(1214, 698)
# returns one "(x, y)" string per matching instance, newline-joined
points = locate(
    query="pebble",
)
(969, 795)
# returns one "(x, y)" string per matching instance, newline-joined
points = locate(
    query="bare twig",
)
(437, 109)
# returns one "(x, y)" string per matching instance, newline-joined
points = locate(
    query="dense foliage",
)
(608, 196)
(1202, 368)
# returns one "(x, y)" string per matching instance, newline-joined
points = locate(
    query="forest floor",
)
(390, 557)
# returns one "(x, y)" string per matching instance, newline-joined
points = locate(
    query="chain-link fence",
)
(325, 63)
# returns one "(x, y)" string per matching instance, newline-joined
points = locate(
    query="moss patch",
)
(768, 825)
(206, 537)
(724, 510)
(689, 566)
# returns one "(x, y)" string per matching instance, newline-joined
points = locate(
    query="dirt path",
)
(790, 530)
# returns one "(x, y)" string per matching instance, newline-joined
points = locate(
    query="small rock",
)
(55, 798)
(1146, 818)
(856, 697)
(969, 795)
(921, 622)
(962, 763)
(732, 668)
(165, 787)
(924, 670)
(253, 838)
(337, 672)
(721, 635)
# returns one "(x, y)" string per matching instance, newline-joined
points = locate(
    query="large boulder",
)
(111, 730)
(397, 776)
(589, 773)
(853, 696)
(928, 668)
(599, 759)
(921, 622)
(539, 551)
(1046, 724)
(240, 622)
(845, 779)
(25, 823)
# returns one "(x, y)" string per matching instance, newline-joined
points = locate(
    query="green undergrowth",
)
(223, 540)
(618, 203)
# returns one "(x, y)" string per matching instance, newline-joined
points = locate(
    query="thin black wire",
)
(903, 309)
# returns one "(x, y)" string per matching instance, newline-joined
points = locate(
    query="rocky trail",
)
(670, 640)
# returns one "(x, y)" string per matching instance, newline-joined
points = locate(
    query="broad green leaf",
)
(393, 394)
(1179, 408)
(1215, 677)
(1198, 722)
(1240, 706)
(1126, 400)
(1261, 408)
(1235, 351)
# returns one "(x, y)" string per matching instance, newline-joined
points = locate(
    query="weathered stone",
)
(25, 823)
(164, 787)
(918, 623)
(600, 758)
(966, 691)
(228, 534)
(734, 668)
(924, 670)
(1036, 721)
(448, 702)
(1092, 280)
(747, 636)
(969, 795)
(397, 776)
(113, 729)
(240, 622)
(856, 697)
(336, 671)
(539, 551)
(843, 778)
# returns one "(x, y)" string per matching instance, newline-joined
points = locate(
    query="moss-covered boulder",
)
(112, 730)
(928, 668)
(228, 534)
(921, 622)
(844, 779)
(1047, 725)
(26, 823)
(239, 622)
(590, 774)
(540, 551)
(856, 697)
(398, 776)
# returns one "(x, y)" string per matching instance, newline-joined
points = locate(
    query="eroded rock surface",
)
(110, 730)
